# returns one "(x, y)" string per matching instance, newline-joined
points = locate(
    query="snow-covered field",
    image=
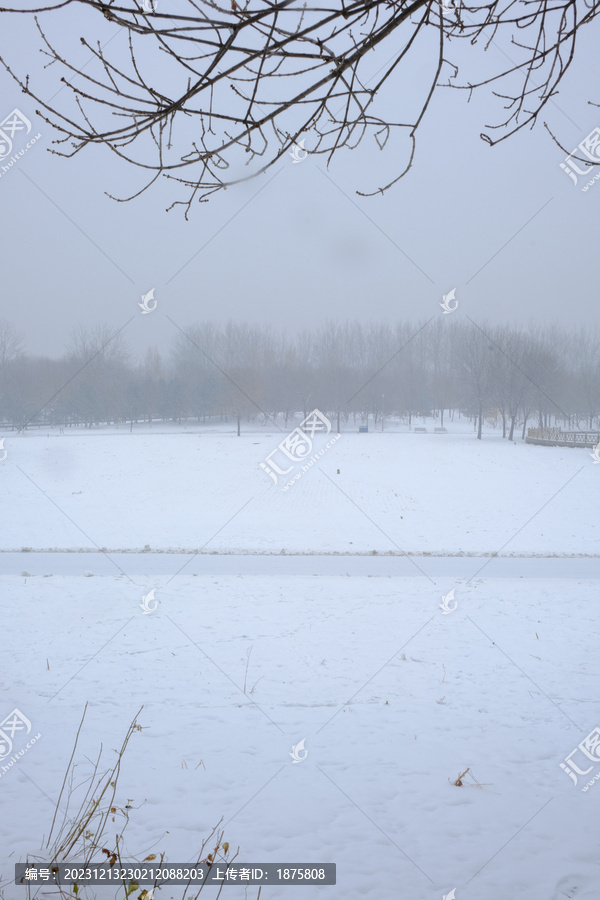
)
(392, 697)
(413, 493)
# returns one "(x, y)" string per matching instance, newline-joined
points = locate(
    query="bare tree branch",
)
(218, 94)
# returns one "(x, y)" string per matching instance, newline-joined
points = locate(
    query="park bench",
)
(421, 430)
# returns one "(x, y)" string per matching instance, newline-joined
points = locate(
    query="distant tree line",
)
(538, 376)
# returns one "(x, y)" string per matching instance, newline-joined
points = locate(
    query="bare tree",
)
(150, 387)
(364, 370)
(441, 342)
(98, 357)
(585, 348)
(11, 364)
(511, 383)
(218, 92)
(98, 342)
(477, 362)
(11, 343)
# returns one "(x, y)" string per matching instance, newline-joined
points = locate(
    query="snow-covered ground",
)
(395, 492)
(392, 696)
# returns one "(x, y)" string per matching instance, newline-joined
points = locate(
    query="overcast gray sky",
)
(504, 226)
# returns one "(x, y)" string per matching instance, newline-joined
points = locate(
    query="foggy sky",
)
(503, 226)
